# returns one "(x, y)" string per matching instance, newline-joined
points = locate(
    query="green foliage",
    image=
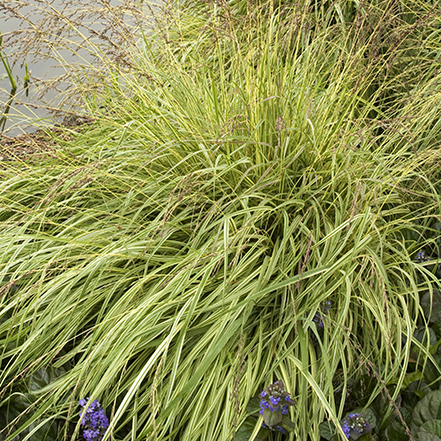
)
(253, 164)
(246, 430)
(432, 426)
(23, 401)
(427, 410)
(327, 430)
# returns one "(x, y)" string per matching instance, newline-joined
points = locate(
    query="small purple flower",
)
(91, 434)
(422, 257)
(264, 404)
(263, 394)
(274, 400)
(285, 410)
(281, 429)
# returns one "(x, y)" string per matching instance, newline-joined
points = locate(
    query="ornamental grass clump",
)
(256, 160)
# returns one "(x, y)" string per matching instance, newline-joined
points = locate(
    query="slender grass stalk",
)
(11, 78)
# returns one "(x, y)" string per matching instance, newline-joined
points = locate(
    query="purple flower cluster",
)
(274, 405)
(355, 425)
(274, 401)
(94, 420)
(319, 316)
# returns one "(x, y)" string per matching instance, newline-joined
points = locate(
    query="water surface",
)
(32, 110)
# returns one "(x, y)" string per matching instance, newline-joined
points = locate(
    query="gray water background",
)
(23, 117)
